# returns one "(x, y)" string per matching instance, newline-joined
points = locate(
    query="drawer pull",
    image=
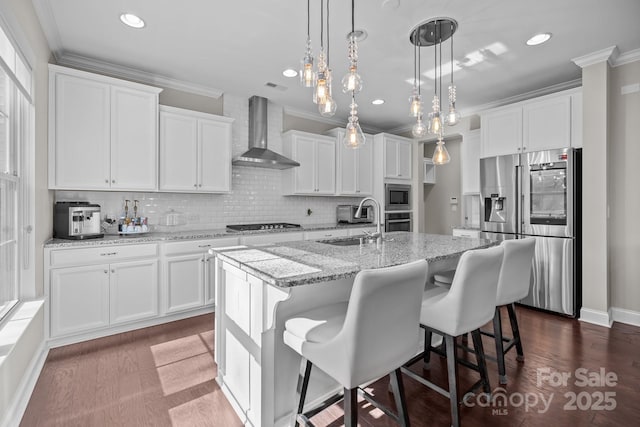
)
(108, 253)
(204, 246)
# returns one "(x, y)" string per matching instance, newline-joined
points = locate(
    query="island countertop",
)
(297, 263)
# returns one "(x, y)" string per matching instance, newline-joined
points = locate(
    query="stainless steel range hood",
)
(259, 155)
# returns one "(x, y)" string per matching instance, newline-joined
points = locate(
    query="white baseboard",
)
(25, 389)
(597, 317)
(623, 315)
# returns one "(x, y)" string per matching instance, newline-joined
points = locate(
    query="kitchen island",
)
(259, 287)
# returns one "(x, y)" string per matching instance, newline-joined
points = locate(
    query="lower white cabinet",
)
(189, 275)
(83, 298)
(463, 232)
(325, 234)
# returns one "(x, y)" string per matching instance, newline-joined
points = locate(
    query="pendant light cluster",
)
(433, 33)
(320, 79)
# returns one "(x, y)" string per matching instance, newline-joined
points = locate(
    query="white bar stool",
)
(465, 307)
(361, 340)
(513, 285)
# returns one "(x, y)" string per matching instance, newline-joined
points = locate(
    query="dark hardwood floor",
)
(164, 376)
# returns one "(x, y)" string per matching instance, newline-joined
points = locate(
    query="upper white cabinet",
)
(195, 151)
(102, 132)
(397, 157)
(354, 167)
(548, 122)
(470, 159)
(316, 175)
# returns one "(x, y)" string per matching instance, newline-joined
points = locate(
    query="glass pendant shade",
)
(453, 117)
(419, 129)
(415, 108)
(328, 109)
(352, 82)
(354, 136)
(440, 154)
(435, 123)
(306, 71)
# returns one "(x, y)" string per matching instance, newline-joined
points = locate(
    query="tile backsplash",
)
(256, 192)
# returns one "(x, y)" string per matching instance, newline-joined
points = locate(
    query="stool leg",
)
(480, 359)
(452, 372)
(301, 388)
(351, 407)
(497, 332)
(398, 392)
(516, 331)
(427, 346)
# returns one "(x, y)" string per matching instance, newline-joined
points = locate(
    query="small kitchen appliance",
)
(347, 214)
(76, 220)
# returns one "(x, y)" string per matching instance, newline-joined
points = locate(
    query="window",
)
(15, 133)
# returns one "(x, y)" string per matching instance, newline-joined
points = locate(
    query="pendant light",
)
(352, 82)
(327, 105)
(453, 116)
(435, 121)
(321, 91)
(354, 137)
(306, 68)
(415, 100)
(440, 154)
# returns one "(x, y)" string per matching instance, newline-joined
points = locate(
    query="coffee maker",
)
(76, 220)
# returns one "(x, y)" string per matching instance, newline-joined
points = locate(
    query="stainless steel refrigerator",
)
(538, 194)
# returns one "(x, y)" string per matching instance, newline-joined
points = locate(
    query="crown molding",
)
(627, 57)
(96, 65)
(571, 84)
(49, 26)
(609, 55)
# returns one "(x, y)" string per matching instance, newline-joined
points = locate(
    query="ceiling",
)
(239, 46)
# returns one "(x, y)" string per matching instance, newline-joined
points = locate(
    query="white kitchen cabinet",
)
(79, 299)
(429, 171)
(195, 151)
(188, 269)
(133, 291)
(501, 132)
(470, 159)
(354, 167)
(397, 157)
(102, 132)
(316, 175)
(546, 124)
(84, 298)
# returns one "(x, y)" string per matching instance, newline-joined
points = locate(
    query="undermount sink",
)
(352, 241)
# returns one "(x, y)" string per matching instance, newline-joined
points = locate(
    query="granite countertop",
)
(114, 239)
(303, 262)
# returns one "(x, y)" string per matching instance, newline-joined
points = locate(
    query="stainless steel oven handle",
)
(394, 221)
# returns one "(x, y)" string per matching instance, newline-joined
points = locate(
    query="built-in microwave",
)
(397, 197)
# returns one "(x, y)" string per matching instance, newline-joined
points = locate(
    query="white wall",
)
(624, 196)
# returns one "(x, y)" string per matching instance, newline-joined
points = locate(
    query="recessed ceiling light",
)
(538, 39)
(377, 101)
(132, 20)
(289, 72)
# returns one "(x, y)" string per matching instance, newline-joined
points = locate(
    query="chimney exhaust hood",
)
(258, 154)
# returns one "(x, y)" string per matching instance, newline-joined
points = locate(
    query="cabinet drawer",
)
(198, 246)
(325, 234)
(101, 254)
(264, 239)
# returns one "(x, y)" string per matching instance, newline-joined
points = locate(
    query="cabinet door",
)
(404, 160)
(79, 299)
(470, 156)
(501, 132)
(326, 167)
(390, 158)
(214, 167)
(547, 124)
(134, 139)
(80, 123)
(184, 282)
(178, 152)
(347, 169)
(304, 150)
(133, 291)
(365, 168)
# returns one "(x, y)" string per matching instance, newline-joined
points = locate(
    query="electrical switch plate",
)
(453, 200)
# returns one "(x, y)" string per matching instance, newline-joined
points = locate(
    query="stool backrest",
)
(470, 303)
(381, 329)
(515, 274)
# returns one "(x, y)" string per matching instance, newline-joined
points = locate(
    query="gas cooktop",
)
(266, 226)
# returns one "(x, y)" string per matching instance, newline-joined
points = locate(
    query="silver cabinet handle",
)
(108, 253)
(113, 270)
(204, 246)
(106, 271)
(106, 181)
(195, 185)
(199, 185)
(113, 181)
